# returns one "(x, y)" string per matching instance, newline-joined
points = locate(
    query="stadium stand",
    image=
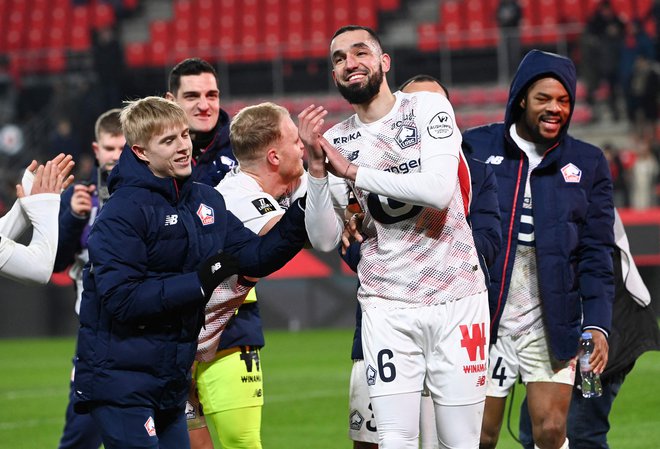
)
(471, 23)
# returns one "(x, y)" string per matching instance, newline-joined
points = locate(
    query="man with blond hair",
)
(157, 251)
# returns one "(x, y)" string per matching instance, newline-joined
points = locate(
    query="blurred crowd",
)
(619, 65)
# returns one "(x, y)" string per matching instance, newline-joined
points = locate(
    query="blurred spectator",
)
(654, 15)
(601, 50)
(108, 56)
(644, 89)
(64, 140)
(644, 176)
(636, 43)
(508, 15)
(619, 175)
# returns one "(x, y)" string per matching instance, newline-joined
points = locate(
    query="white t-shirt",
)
(419, 249)
(522, 312)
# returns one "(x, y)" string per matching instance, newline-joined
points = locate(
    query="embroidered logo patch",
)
(228, 162)
(263, 205)
(150, 426)
(571, 173)
(371, 375)
(356, 420)
(407, 136)
(206, 214)
(441, 126)
(190, 411)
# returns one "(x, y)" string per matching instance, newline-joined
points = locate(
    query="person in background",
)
(422, 292)
(36, 207)
(553, 278)
(193, 84)
(634, 332)
(158, 249)
(78, 209)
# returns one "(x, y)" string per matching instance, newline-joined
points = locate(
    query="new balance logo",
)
(495, 160)
(171, 219)
(215, 267)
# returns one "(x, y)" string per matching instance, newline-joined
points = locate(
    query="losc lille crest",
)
(206, 214)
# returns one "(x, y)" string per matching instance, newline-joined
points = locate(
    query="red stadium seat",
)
(80, 37)
(135, 53)
(102, 15)
(427, 37)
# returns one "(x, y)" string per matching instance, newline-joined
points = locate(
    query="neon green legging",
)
(240, 428)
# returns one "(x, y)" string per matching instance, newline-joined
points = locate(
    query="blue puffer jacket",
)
(573, 221)
(142, 306)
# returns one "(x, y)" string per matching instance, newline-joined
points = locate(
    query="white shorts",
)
(444, 345)
(362, 425)
(529, 357)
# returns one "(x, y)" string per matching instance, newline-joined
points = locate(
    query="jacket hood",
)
(132, 172)
(536, 65)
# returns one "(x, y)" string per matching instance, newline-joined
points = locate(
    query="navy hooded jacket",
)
(142, 306)
(573, 216)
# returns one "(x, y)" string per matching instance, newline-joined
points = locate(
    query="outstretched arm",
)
(34, 262)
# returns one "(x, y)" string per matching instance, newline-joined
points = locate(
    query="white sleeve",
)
(35, 261)
(632, 279)
(323, 221)
(15, 222)
(435, 183)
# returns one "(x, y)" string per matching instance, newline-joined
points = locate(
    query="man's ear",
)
(140, 153)
(169, 96)
(385, 62)
(272, 156)
(95, 148)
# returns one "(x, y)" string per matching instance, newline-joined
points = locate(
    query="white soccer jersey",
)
(254, 207)
(414, 255)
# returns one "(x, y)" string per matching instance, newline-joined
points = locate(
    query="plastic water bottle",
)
(590, 385)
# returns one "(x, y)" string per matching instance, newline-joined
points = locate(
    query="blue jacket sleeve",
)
(596, 248)
(128, 290)
(70, 229)
(485, 211)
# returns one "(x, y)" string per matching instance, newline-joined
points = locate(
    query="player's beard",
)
(356, 94)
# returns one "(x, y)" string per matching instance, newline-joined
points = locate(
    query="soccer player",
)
(79, 206)
(159, 248)
(484, 218)
(270, 178)
(37, 206)
(422, 291)
(553, 278)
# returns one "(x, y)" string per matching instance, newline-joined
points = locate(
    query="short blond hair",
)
(254, 128)
(144, 118)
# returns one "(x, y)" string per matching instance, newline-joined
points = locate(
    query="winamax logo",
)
(475, 344)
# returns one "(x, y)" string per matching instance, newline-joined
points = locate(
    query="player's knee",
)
(551, 433)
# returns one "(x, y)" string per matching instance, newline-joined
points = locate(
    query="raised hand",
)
(81, 200)
(50, 178)
(310, 123)
(337, 164)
